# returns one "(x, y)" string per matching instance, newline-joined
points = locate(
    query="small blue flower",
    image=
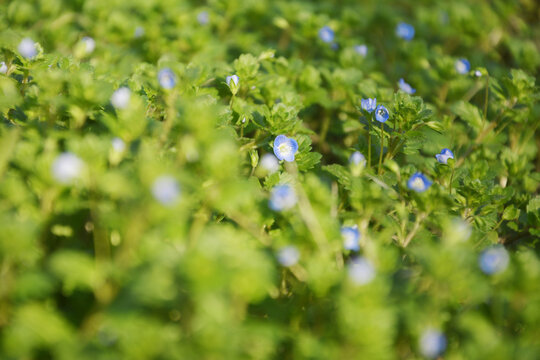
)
(285, 148)
(27, 48)
(405, 31)
(326, 34)
(478, 73)
(444, 156)
(406, 87)
(419, 182)
(361, 271)
(3, 68)
(282, 197)
(166, 190)
(234, 78)
(432, 343)
(203, 18)
(351, 237)
(269, 163)
(369, 105)
(167, 78)
(288, 256)
(361, 50)
(120, 98)
(462, 66)
(118, 145)
(381, 114)
(67, 167)
(89, 44)
(139, 32)
(357, 158)
(494, 260)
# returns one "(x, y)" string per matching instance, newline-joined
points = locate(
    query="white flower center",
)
(418, 184)
(285, 149)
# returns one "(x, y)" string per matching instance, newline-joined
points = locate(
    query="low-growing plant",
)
(269, 180)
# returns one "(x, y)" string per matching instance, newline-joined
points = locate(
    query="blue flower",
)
(288, 256)
(67, 167)
(118, 145)
(478, 73)
(166, 78)
(369, 104)
(462, 66)
(444, 156)
(203, 17)
(381, 114)
(166, 190)
(432, 343)
(361, 50)
(406, 87)
(326, 34)
(357, 158)
(282, 197)
(269, 163)
(234, 78)
(120, 98)
(361, 271)
(27, 48)
(139, 32)
(419, 182)
(351, 238)
(494, 260)
(89, 44)
(3, 68)
(285, 148)
(405, 31)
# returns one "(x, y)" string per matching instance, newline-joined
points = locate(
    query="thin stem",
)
(369, 142)
(451, 179)
(382, 148)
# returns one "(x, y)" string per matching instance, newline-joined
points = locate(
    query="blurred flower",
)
(351, 237)
(166, 190)
(368, 104)
(203, 18)
(67, 167)
(334, 46)
(381, 114)
(285, 148)
(282, 197)
(288, 256)
(118, 145)
(361, 50)
(444, 156)
(361, 271)
(462, 66)
(406, 87)
(89, 44)
(120, 98)
(27, 48)
(270, 163)
(3, 68)
(139, 32)
(357, 158)
(432, 343)
(419, 182)
(405, 31)
(166, 78)
(494, 260)
(478, 73)
(232, 82)
(326, 34)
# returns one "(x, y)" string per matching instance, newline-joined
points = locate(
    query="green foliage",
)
(99, 262)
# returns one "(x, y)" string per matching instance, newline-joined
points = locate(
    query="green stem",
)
(451, 179)
(369, 142)
(382, 148)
